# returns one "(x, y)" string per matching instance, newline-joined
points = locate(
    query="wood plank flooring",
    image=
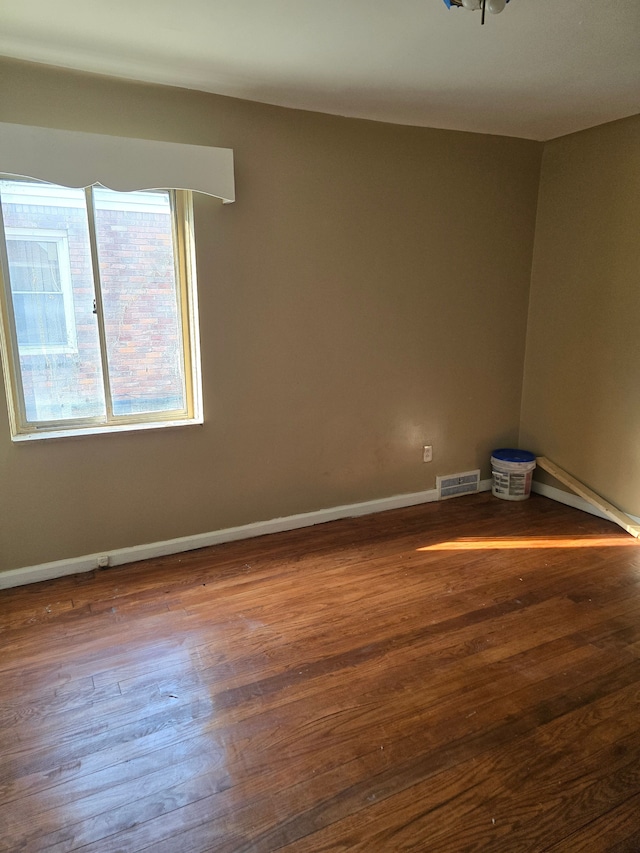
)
(460, 676)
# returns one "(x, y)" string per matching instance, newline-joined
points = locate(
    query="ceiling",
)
(541, 69)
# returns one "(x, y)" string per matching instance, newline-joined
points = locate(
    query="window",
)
(41, 290)
(98, 309)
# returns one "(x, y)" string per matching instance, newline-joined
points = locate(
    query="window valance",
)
(75, 159)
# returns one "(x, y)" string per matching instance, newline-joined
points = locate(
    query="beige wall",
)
(367, 293)
(581, 396)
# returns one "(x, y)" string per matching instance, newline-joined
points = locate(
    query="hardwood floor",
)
(459, 676)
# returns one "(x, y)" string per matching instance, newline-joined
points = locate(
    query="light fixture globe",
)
(493, 6)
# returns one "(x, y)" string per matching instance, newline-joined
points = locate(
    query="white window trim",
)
(64, 267)
(76, 159)
(104, 429)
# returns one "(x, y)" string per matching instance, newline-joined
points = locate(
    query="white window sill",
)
(102, 429)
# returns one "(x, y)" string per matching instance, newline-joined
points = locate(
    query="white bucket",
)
(512, 471)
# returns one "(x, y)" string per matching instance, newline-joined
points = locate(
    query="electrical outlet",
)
(427, 453)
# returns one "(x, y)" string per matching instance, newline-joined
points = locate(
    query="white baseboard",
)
(570, 499)
(77, 565)
(120, 556)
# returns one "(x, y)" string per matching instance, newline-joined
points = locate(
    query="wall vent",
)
(458, 484)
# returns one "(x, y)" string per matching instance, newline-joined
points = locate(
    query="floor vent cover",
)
(458, 484)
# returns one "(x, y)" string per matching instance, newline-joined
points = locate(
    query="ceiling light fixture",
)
(493, 6)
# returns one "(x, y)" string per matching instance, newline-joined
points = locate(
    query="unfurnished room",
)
(320, 426)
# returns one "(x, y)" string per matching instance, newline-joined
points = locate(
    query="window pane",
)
(40, 320)
(34, 265)
(141, 301)
(35, 279)
(51, 282)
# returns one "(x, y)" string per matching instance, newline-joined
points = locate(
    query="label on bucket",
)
(511, 484)
(512, 473)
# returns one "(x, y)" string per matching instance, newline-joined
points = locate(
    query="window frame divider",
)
(97, 295)
(9, 343)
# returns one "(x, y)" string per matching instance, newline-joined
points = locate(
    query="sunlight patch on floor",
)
(507, 542)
